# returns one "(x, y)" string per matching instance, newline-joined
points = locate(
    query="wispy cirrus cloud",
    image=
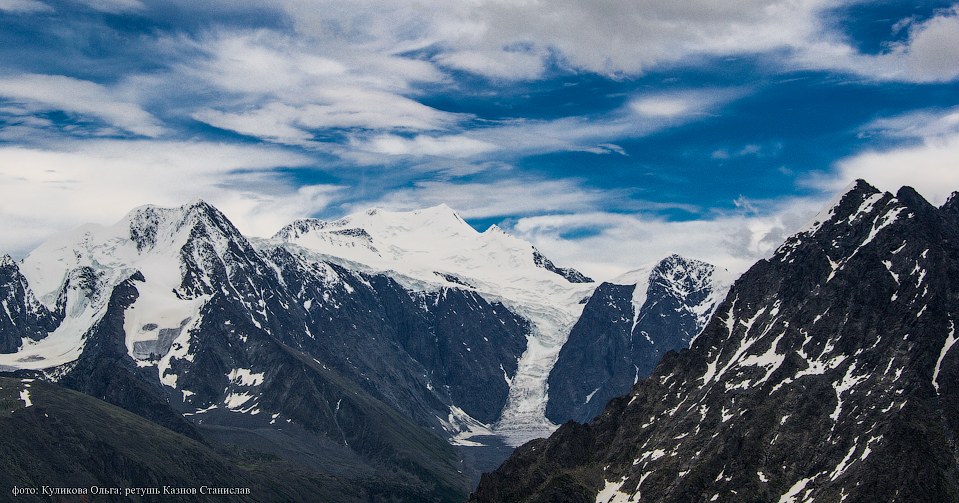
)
(644, 114)
(286, 90)
(930, 124)
(35, 92)
(115, 6)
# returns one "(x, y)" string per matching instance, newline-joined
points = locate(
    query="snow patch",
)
(793, 492)
(25, 396)
(590, 396)
(843, 464)
(463, 427)
(245, 377)
(610, 493)
(847, 383)
(771, 360)
(236, 400)
(950, 340)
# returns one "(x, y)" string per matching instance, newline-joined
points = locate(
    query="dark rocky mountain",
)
(22, 317)
(625, 330)
(203, 337)
(826, 374)
(55, 437)
(463, 306)
(419, 351)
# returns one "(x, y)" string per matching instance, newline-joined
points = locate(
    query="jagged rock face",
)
(571, 275)
(106, 372)
(468, 346)
(623, 333)
(596, 363)
(21, 317)
(827, 374)
(419, 351)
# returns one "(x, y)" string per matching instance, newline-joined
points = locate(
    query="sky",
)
(608, 133)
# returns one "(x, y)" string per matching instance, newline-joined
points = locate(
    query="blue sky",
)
(607, 133)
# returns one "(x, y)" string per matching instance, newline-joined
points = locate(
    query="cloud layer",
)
(609, 133)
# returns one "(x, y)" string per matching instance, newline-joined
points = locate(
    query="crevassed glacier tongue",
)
(524, 417)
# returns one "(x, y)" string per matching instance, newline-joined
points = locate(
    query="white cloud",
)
(615, 36)
(260, 62)
(919, 124)
(43, 191)
(446, 146)
(683, 104)
(930, 53)
(503, 197)
(664, 107)
(57, 92)
(24, 6)
(330, 108)
(499, 64)
(114, 6)
(283, 89)
(928, 163)
(275, 122)
(930, 168)
(616, 243)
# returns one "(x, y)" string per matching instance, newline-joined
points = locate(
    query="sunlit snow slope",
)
(434, 248)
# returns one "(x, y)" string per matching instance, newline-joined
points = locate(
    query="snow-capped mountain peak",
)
(680, 277)
(424, 245)
(184, 254)
(627, 325)
(434, 249)
(151, 226)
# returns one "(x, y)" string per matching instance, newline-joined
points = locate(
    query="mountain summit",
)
(627, 327)
(826, 374)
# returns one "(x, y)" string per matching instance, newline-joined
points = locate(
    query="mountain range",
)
(396, 353)
(393, 356)
(826, 374)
